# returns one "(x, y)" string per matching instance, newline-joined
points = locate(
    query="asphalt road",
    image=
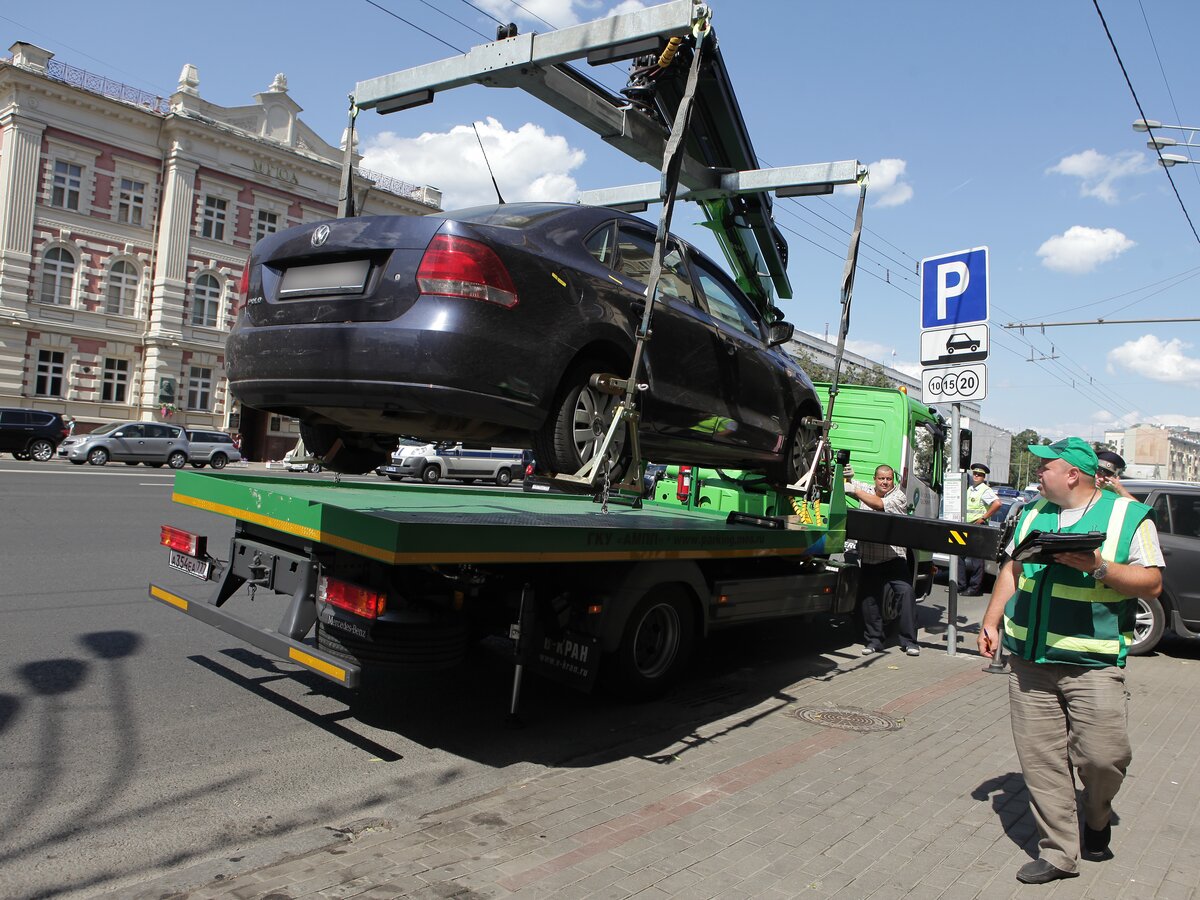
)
(138, 742)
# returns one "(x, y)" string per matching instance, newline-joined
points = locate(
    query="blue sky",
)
(1004, 125)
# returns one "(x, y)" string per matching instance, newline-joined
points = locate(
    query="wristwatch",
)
(1101, 572)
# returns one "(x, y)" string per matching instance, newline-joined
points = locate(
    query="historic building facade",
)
(125, 224)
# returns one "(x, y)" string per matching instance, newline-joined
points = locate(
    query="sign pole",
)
(952, 578)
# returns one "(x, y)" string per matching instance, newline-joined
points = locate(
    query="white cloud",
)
(887, 183)
(1080, 249)
(529, 164)
(535, 14)
(1097, 172)
(1164, 361)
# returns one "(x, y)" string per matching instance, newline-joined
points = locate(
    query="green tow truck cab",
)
(878, 426)
(377, 581)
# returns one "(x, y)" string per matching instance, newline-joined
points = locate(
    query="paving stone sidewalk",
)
(777, 801)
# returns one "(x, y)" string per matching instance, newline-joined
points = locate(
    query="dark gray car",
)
(1176, 507)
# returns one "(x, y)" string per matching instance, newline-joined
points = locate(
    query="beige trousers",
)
(1066, 716)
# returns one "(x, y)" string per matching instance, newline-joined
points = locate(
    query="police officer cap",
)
(980, 467)
(1109, 462)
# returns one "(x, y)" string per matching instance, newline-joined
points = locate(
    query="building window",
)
(68, 179)
(200, 388)
(131, 202)
(58, 276)
(212, 222)
(268, 223)
(115, 386)
(207, 305)
(122, 289)
(50, 367)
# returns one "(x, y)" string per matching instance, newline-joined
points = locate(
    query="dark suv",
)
(1177, 514)
(31, 433)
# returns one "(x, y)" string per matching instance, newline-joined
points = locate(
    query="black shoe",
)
(1095, 842)
(1041, 872)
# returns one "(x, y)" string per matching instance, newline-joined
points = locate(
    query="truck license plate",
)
(197, 568)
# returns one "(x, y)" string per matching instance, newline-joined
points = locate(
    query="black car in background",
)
(487, 325)
(1176, 507)
(31, 433)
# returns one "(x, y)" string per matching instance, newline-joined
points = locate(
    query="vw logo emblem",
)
(320, 236)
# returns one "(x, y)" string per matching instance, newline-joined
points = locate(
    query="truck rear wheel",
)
(424, 647)
(656, 644)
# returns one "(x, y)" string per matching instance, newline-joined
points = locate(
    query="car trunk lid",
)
(341, 270)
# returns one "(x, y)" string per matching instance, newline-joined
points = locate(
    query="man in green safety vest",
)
(1067, 626)
(982, 502)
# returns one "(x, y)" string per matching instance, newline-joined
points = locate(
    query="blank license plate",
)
(197, 568)
(331, 278)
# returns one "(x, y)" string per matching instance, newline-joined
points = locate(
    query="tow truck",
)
(586, 578)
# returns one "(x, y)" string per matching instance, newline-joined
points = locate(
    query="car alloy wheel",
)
(41, 450)
(503, 477)
(97, 456)
(177, 460)
(1150, 620)
(805, 440)
(218, 461)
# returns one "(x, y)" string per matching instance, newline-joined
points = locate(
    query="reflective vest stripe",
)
(1098, 594)
(1012, 628)
(1108, 550)
(1079, 644)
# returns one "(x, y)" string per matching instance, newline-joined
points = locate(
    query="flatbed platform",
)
(421, 525)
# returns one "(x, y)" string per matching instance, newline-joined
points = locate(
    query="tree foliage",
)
(1022, 467)
(850, 374)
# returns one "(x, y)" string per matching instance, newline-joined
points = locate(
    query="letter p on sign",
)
(956, 272)
(954, 288)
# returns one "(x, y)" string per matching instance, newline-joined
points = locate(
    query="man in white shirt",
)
(884, 566)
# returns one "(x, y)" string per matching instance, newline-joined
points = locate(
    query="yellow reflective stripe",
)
(1116, 521)
(1014, 630)
(1025, 585)
(1031, 513)
(1098, 594)
(1077, 644)
(307, 659)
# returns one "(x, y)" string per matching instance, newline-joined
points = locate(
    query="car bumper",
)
(380, 376)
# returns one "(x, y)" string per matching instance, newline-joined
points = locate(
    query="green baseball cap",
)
(1074, 451)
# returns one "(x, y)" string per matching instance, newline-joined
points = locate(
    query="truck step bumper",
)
(336, 669)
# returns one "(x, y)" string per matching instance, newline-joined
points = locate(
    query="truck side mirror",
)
(964, 449)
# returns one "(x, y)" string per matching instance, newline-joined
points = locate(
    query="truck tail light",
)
(351, 597)
(183, 541)
(460, 267)
(683, 484)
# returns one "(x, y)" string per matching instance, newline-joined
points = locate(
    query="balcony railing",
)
(99, 84)
(427, 196)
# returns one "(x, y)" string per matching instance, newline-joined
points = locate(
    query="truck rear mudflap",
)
(336, 669)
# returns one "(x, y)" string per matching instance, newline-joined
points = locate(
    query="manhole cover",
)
(847, 719)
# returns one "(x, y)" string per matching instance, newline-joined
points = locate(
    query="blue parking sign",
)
(954, 288)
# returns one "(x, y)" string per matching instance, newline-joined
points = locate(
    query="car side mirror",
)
(119, 434)
(779, 333)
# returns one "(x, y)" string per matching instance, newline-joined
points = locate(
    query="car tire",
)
(41, 450)
(97, 456)
(218, 461)
(153, 465)
(431, 474)
(655, 644)
(74, 462)
(129, 463)
(577, 423)
(349, 460)
(1149, 623)
(313, 467)
(197, 465)
(21, 455)
(177, 460)
(802, 447)
(503, 477)
(395, 477)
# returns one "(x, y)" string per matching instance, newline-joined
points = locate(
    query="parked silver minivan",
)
(150, 443)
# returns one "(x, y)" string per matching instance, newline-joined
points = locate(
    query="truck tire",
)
(503, 477)
(425, 647)
(1148, 626)
(655, 645)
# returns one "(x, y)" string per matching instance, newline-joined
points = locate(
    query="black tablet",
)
(1039, 547)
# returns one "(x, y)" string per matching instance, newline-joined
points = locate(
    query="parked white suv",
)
(433, 462)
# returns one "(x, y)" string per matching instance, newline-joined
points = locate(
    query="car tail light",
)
(243, 289)
(183, 541)
(351, 597)
(460, 267)
(683, 484)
